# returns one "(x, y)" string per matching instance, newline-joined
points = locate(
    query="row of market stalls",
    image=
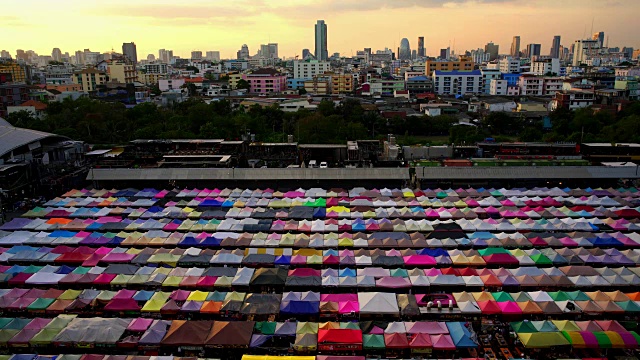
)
(401, 240)
(69, 255)
(446, 278)
(151, 193)
(50, 302)
(72, 331)
(528, 222)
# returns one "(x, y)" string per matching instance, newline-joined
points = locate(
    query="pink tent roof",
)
(345, 307)
(139, 324)
(510, 307)
(442, 342)
(426, 327)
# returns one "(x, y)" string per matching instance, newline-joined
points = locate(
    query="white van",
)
(313, 164)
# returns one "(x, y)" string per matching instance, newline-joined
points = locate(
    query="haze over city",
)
(199, 25)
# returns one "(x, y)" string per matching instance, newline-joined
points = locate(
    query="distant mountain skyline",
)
(206, 25)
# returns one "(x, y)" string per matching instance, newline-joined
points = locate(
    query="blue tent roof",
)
(460, 335)
(300, 307)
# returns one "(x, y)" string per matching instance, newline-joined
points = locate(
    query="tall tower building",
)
(56, 54)
(492, 49)
(404, 52)
(130, 52)
(515, 47)
(421, 52)
(243, 53)
(322, 53)
(533, 50)
(599, 36)
(555, 47)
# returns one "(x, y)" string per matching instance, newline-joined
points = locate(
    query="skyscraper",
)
(196, 55)
(56, 54)
(404, 53)
(322, 53)
(243, 53)
(555, 47)
(533, 50)
(515, 47)
(213, 55)
(600, 37)
(305, 53)
(130, 52)
(165, 56)
(421, 52)
(492, 49)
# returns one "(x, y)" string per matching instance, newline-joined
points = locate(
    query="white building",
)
(498, 87)
(156, 68)
(552, 85)
(509, 65)
(309, 69)
(170, 84)
(546, 66)
(499, 104)
(583, 50)
(457, 82)
(487, 76)
(531, 85)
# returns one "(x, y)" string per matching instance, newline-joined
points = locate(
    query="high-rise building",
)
(165, 56)
(196, 55)
(421, 52)
(414, 54)
(322, 53)
(599, 36)
(243, 53)
(213, 55)
(5, 54)
(492, 49)
(56, 54)
(404, 53)
(555, 47)
(515, 47)
(151, 57)
(584, 49)
(533, 50)
(130, 52)
(21, 55)
(445, 54)
(305, 53)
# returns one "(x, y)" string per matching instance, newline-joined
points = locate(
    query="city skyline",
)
(202, 26)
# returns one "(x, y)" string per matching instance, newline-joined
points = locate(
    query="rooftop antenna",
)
(607, 46)
(592, 19)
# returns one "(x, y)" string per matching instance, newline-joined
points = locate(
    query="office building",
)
(196, 55)
(89, 79)
(306, 54)
(421, 52)
(309, 68)
(56, 54)
(583, 50)
(243, 53)
(515, 47)
(491, 49)
(322, 53)
(130, 52)
(599, 37)
(404, 53)
(555, 47)
(165, 56)
(533, 50)
(213, 56)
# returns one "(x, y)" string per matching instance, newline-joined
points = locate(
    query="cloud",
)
(372, 5)
(182, 15)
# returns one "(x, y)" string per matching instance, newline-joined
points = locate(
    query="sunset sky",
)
(71, 25)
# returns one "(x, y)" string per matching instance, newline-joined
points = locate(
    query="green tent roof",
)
(370, 341)
(523, 327)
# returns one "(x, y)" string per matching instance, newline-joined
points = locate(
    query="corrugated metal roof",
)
(12, 137)
(527, 172)
(249, 174)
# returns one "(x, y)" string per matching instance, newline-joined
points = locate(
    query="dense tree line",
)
(98, 122)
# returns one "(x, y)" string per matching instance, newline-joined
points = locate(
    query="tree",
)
(192, 68)
(155, 90)
(302, 91)
(243, 84)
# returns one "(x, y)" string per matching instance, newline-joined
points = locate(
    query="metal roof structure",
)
(528, 172)
(248, 174)
(12, 137)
